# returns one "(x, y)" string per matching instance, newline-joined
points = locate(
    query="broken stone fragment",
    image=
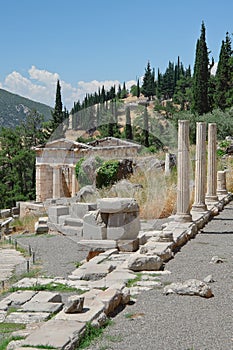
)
(74, 304)
(140, 262)
(189, 287)
(209, 279)
(216, 260)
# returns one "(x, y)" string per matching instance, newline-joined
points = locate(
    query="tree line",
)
(196, 96)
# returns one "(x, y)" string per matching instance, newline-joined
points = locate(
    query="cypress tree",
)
(145, 128)
(57, 114)
(200, 103)
(138, 89)
(148, 85)
(223, 75)
(128, 126)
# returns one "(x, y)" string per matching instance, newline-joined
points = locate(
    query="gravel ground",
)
(59, 254)
(56, 254)
(160, 322)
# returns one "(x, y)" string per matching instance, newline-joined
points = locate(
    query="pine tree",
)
(200, 103)
(128, 125)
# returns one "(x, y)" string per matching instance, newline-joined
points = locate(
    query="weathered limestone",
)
(67, 334)
(189, 287)
(200, 169)
(221, 183)
(55, 211)
(212, 164)
(183, 173)
(141, 262)
(116, 219)
(74, 304)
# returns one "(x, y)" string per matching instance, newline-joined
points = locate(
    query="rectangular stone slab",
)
(42, 307)
(27, 317)
(91, 310)
(46, 297)
(21, 297)
(55, 333)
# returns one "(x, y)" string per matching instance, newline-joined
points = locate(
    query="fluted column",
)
(200, 169)
(74, 182)
(167, 164)
(183, 160)
(56, 182)
(212, 164)
(221, 183)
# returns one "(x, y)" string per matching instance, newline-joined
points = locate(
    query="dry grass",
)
(25, 224)
(156, 194)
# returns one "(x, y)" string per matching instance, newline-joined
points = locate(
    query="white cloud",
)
(40, 85)
(214, 68)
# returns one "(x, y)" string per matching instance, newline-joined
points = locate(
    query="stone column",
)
(212, 164)
(38, 183)
(74, 184)
(56, 181)
(221, 183)
(200, 169)
(167, 164)
(183, 160)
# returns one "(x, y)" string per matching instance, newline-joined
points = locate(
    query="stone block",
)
(3, 315)
(163, 250)
(36, 306)
(58, 334)
(140, 262)
(43, 220)
(79, 210)
(73, 222)
(104, 244)
(41, 228)
(128, 231)
(27, 317)
(96, 272)
(21, 297)
(55, 211)
(111, 298)
(128, 245)
(92, 310)
(74, 304)
(116, 205)
(94, 226)
(47, 297)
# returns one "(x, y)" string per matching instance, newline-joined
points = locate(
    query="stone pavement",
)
(106, 281)
(9, 259)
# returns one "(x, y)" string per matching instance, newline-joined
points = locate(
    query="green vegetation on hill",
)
(15, 108)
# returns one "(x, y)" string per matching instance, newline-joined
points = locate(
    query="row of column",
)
(183, 171)
(49, 181)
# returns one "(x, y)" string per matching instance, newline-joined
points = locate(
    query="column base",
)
(183, 218)
(199, 208)
(222, 192)
(209, 198)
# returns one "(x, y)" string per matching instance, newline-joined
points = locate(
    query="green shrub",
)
(107, 173)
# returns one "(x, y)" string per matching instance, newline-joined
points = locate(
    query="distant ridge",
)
(14, 108)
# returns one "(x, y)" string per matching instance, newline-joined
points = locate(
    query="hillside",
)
(14, 108)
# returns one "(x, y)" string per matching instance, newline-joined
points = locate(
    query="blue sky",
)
(86, 43)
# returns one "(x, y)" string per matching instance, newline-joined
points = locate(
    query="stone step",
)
(73, 222)
(72, 231)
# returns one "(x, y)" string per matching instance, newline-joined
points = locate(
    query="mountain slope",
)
(14, 108)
